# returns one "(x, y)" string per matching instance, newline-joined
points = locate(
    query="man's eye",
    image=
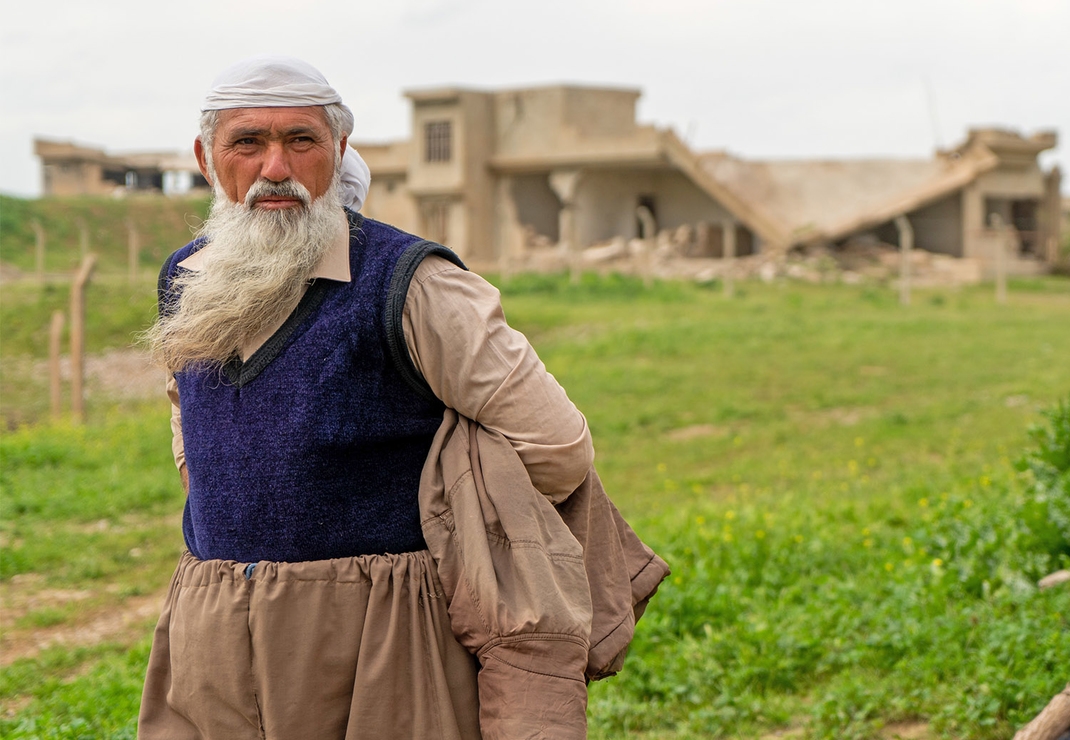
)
(247, 141)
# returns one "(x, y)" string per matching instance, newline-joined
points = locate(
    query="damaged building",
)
(73, 169)
(493, 174)
(987, 194)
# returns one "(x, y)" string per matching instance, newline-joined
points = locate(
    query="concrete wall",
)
(535, 121)
(536, 204)
(938, 226)
(477, 134)
(599, 112)
(528, 121)
(986, 192)
(607, 200)
(390, 201)
(76, 178)
(436, 177)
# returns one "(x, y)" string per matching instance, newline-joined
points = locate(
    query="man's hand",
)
(185, 478)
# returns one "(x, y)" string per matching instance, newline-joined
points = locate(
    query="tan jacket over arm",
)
(544, 597)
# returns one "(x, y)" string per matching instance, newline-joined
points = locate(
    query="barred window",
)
(438, 137)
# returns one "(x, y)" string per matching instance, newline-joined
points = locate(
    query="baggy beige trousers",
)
(348, 649)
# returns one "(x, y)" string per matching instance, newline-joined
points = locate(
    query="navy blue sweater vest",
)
(312, 448)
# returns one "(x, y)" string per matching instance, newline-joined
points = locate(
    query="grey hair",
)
(334, 112)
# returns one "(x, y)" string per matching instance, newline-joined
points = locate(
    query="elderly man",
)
(312, 353)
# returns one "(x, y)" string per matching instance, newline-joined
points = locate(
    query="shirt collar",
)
(333, 265)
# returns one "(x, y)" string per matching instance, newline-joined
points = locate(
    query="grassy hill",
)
(163, 225)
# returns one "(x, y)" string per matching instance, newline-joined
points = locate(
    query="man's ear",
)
(202, 160)
(345, 143)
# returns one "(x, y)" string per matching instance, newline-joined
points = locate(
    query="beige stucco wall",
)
(979, 239)
(607, 201)
(599, 112)
(535, 202)
(533, 122)
(436, 177)
(75, 178)
(390, 201)
(938, 226)
(478, 133)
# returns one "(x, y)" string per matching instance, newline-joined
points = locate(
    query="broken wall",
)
(607, 202)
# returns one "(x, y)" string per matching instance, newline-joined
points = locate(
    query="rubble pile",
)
(681, 253)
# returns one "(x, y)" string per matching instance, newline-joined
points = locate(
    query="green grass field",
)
(842, 486)
(162, 225)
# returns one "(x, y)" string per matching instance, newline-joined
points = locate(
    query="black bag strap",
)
(395, 307)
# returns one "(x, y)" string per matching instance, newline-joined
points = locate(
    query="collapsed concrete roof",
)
(810, 201)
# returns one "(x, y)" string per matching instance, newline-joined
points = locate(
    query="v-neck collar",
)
(333, 267)
(240, 373)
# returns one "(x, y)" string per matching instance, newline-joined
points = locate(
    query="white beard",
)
(254, 273)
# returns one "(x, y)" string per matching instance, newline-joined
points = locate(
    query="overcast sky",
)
(760, 78)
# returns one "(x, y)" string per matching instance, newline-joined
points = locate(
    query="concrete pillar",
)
(702, 239)
(647, 235)
(1002, 244)
(507, 227)
(1052, 216)
(565, 183)
(973, 222)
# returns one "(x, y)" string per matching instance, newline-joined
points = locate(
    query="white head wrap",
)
(274, 81)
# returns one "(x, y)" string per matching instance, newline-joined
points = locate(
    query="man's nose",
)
(276, 166)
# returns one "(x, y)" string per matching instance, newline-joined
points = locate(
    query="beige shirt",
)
(458, 339)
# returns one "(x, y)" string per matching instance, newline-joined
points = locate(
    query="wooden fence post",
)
(906, 246)
(39, 249)
(647, 237)
(83, 239)
(996, 222)
(78, 338)
(55, 338)
(132, 248)
(728, 245)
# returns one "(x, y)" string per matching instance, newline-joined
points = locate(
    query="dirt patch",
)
(119, 373)
(845, 416)
(915, 730)
(120, 623)
(695, 431)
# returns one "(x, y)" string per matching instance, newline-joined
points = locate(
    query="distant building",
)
(71, 169)
(493, 172)
(953, 201)
(489, 172)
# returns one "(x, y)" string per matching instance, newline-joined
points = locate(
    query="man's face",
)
(273, 144)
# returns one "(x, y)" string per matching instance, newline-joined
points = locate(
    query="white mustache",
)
(284, 189)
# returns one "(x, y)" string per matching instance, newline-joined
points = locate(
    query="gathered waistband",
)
(367, 569)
